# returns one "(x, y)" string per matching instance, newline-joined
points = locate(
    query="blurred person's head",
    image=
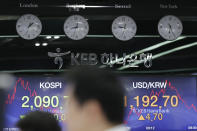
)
(95, 99)
(38, 121)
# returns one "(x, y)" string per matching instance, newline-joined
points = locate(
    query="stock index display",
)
(158, 103)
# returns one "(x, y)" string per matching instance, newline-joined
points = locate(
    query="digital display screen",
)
(161, 103)
(151, 102)
(34, 93)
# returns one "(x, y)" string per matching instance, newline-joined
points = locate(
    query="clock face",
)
(170, 27)
(28, 26)
(76, 27)
(124, 28)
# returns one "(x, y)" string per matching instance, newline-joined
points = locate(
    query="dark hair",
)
(38, 121)
(92, 83)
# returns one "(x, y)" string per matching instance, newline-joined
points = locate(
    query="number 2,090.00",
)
(39, 101)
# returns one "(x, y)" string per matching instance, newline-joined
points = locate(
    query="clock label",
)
(169, 6)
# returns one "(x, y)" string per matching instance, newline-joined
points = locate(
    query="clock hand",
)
(171, 30)
(173, 34)
(75, 27)
(120, 27)
(30, 25)
(125, 26)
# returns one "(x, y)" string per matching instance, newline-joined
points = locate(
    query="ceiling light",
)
(37, 44)
(48, 37)
(56, 37)
(44, 44)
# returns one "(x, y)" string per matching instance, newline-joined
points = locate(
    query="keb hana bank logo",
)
(103, 59)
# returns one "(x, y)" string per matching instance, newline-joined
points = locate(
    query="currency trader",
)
(95, 100)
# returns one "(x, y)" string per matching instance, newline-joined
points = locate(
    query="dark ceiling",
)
(178, 56)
